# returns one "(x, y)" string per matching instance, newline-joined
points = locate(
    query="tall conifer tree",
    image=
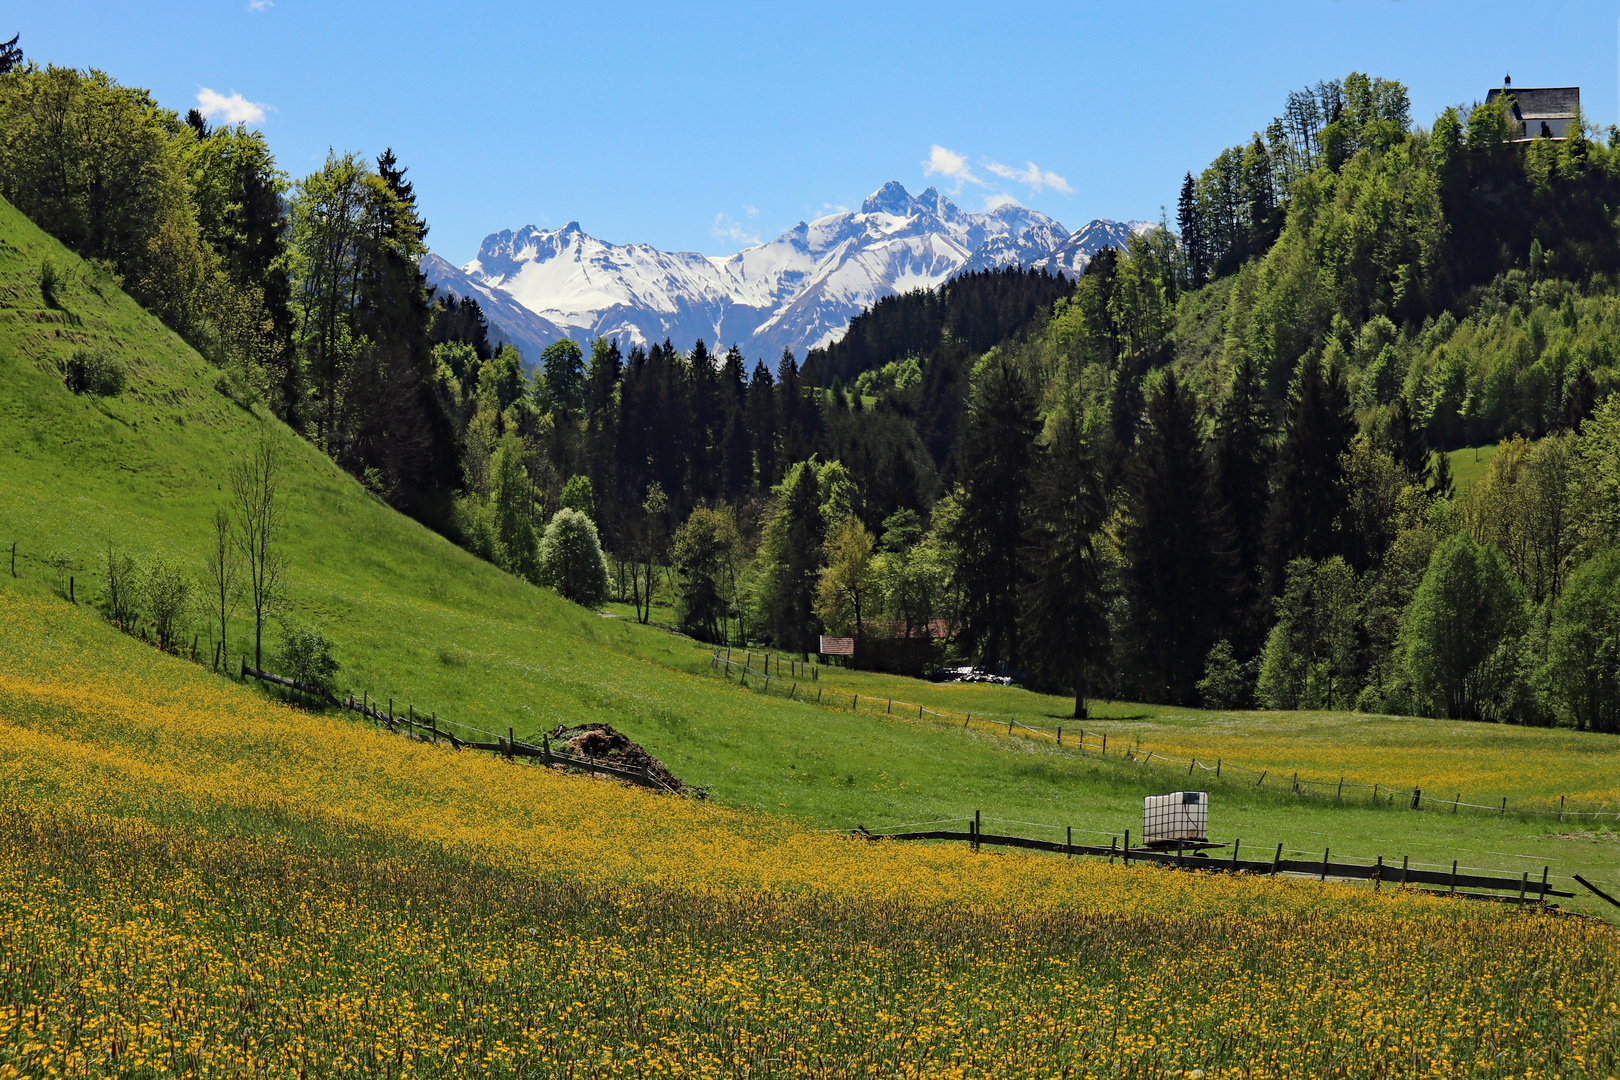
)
(1308, 496)
(996, 475)
(1179, 573)
(1242, 458)
(1065, 628)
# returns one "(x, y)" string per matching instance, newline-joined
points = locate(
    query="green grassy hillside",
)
(421, 621)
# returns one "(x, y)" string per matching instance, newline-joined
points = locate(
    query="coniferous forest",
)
(1210, 470)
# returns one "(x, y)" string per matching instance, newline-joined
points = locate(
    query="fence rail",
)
(1085, 742)
(1527, 889)
(410, 725)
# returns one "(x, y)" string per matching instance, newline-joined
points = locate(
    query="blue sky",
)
(703, 126)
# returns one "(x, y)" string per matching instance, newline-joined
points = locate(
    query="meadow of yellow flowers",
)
(196, 882)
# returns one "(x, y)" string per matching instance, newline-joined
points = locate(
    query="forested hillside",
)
(1203, 472)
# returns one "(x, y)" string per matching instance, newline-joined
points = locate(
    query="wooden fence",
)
(1092, 742)
(413, 726)
(1521, 890)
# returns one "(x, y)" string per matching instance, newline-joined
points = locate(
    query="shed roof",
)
(1540, 103)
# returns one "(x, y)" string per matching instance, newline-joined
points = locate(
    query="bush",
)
(120, 603)
(167, 592)
(306, 655)
(51, 280)
(571, 559)
(94, 371)
(1223, 685)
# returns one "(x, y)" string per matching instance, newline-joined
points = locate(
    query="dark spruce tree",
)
(762, 426)
(11, 56)
(1308, 495)
(1190, 220)
(1179, 570)
(1241, 456)
(995, 474)
(1065, 629)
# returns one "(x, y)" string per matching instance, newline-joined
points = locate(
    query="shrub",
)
(123, 586)
(51, 280)
(306, 655)
(167, 592)
(571, 559)
(94, 371)
(1223, 685)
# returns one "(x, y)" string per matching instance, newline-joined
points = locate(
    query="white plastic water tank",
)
(1180, 815)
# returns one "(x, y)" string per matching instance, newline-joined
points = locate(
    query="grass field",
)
(200, 882)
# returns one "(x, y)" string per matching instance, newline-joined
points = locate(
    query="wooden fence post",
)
(1276, 863)
(1524, 883)
(1296, 783)
(1504, 806)
(1378, 874)
(1217, 767)
(1455, 801)
(510, 739)
(1262, 779)
(1453, 875)
(1324, 864)
(1237, 841)
(968, 721)
(1560, 808)
(1060, 734)
(1113, 843)
(1105, 744)
(978, 830)
(1127, 847)
(1404, 859)
(72, 599)
(1070, 842)
(1417, 798)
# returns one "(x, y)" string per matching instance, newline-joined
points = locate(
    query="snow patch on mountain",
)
(797, 291)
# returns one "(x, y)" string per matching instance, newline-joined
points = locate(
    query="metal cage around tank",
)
(1178, 816)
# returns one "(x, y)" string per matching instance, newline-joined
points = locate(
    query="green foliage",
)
(790, 548)
(306, 655)
(571, 559)
(1310, 656)
(1224, 685)
(579, 495)
(562, 377)
(845, 587)
(511, 501)
(94, 371)
(121, 581)
(1583, 649)
(708, 555)
(1463, 632)
(167, 598)
(1177, 573)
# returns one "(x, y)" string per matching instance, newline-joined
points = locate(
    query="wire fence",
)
(1093, 742)
(1447, 877)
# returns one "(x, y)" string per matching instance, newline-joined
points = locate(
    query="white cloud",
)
(751, 211)
(260, 5)
(1031, 176)
(1001, 198)
(235, 109)
(727, 228)
(948, 163)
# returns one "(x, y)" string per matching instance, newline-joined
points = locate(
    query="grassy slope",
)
(421, 621)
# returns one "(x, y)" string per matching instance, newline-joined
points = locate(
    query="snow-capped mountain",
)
(797, 291)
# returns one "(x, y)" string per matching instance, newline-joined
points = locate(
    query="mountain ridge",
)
(796, 291)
